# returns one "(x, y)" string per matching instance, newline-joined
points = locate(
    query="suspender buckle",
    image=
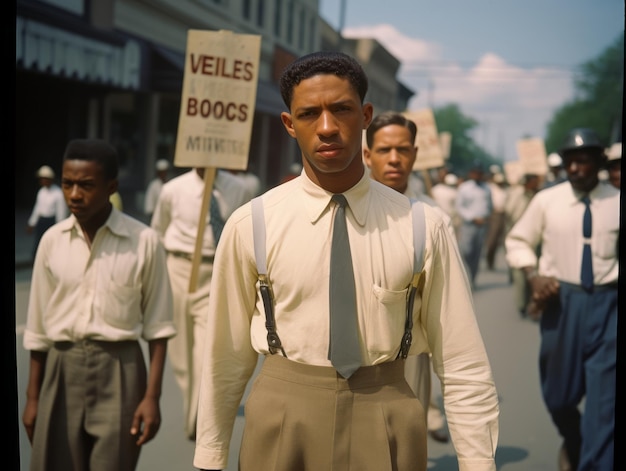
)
(274, 344)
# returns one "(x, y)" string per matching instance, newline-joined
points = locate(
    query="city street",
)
(528, 440)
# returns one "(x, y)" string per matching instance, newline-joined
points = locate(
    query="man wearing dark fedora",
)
(574, 283)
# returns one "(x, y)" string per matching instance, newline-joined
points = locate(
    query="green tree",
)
(463, 149)
(599, 87)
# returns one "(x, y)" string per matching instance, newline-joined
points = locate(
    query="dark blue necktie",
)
(586, 270)
(344, 351)
(217, 222)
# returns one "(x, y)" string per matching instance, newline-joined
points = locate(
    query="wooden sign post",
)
(217, 111)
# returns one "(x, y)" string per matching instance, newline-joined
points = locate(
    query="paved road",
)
(528, 440)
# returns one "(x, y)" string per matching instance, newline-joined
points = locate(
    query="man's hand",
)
(146, 421)
(544, 288)
(30, 416)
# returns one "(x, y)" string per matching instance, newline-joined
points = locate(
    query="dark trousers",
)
(578, 360)
(471, 242)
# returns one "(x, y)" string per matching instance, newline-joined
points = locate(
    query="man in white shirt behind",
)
(176, 219)
(49, 208)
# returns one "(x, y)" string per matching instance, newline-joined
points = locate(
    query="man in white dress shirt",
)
(99, 285)
(153, 191)
(302, 413)
(444, 194)
(176, 221)
(574, 281)
(390, 154)
(474, 207)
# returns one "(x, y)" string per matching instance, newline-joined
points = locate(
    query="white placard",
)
(218, 99)
(429, 152)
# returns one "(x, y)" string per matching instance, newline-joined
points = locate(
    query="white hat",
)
(554, 160)
(494, 169)
(162, 164)
(615, 151)
(45, 172)
(450, 179)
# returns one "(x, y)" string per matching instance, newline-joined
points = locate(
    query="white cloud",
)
(404, 48)
(508, 101)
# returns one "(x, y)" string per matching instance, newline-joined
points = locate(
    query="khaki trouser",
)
(418, 375)
(185, 349)
(310, 418)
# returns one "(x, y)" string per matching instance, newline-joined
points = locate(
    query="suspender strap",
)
(258, 232)
(419, 241)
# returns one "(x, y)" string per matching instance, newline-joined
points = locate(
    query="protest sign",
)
(532, 154)
(429, 153)
(216, 112)
(218, 99)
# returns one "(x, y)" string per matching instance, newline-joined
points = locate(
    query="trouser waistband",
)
(188, 256)
(327, 377)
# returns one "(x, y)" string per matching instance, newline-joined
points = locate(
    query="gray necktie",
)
(344, 350)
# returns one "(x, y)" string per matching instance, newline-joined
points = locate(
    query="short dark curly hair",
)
(318, 63)
(388, 118)
(94, 150)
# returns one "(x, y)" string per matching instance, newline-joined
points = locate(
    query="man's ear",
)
(288, 123)
(415, 149)
(113, 186)
(366, 156)
(368, 114)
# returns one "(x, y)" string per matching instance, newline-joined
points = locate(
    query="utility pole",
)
(342, 21)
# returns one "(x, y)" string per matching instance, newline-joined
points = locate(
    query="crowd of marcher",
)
(350, 346)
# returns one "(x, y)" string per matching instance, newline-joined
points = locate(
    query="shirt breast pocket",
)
(385, 324)
(122, 306)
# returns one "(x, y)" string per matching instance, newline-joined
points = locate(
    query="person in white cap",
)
(49, 208)
(154, 187)
(556, 173)
(444, 194)
(614, 164)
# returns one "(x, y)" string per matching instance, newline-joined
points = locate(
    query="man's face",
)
(47, 182)
(86, 190)
(391, 157)
(327, 119)
(582, 167)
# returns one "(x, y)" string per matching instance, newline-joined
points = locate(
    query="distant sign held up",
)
(513, 172)
(532, 154)
(218, 98)
(429, 152)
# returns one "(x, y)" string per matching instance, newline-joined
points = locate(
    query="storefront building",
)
(113, 69)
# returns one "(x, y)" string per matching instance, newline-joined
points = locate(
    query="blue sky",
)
(509, 64)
